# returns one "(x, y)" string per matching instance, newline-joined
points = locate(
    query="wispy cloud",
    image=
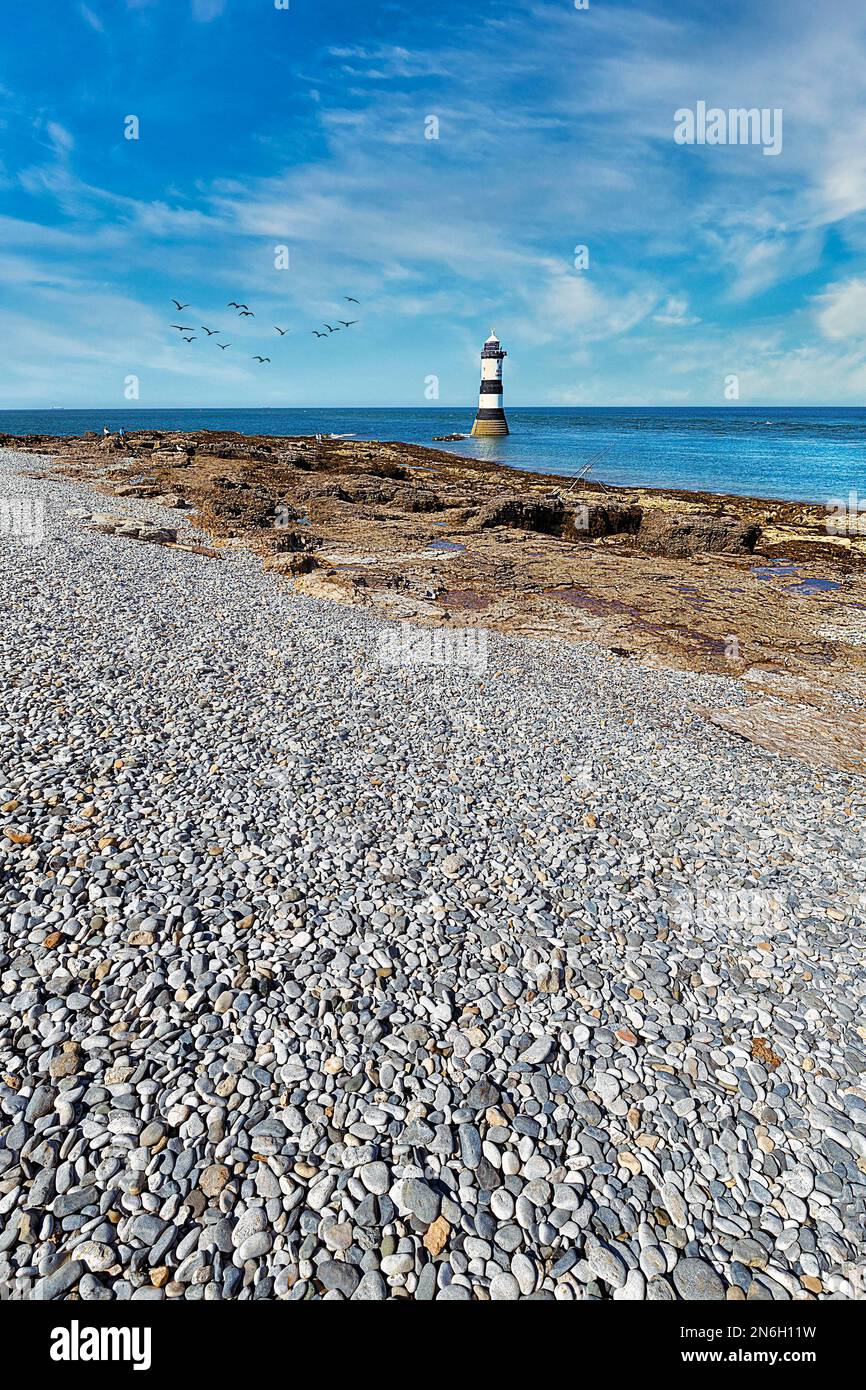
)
(60, 137)
(206, 10)
(842, 314)
(92, 19)
(674, 313)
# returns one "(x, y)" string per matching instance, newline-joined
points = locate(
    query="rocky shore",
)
(758, 590)
(338, 963)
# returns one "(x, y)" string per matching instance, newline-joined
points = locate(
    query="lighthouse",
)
(491, 417)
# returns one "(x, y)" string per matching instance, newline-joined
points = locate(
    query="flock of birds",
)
(245, 312)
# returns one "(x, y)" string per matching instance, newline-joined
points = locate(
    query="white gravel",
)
(321, 977)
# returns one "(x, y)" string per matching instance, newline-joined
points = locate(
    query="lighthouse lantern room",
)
(491, 416)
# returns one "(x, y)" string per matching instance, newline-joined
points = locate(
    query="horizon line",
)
(470, 410)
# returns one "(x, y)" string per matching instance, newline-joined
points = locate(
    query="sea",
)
(792, 453)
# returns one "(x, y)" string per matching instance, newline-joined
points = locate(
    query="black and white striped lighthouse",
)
(491, 417)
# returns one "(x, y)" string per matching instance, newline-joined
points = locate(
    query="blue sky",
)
(261, 127)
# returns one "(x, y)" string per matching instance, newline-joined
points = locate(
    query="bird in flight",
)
(246, 314)
(261, 359)
(233, 304)
(330, 329)
(211, 332)
(349, 300)
(319, 335)
(190, 340)
(282, 331)
(348, 323)
(180, 307)
(182, 327)
(223, 346)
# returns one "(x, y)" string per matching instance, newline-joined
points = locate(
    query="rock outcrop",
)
(291, 563)
(597, 519)
(525, 511)
(822, 737)
(680, 536)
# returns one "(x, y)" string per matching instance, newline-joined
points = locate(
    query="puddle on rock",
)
(779, 571)
(449, 547)
(812, 586)
(785, 569)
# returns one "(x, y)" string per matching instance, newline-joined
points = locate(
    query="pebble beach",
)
(327, 975)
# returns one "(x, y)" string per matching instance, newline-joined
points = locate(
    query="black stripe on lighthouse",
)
(491, 388)
(490, 415)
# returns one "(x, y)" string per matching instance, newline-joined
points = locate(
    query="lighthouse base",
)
(499, 426)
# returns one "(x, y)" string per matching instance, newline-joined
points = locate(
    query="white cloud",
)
(843, 311)
(567, 306)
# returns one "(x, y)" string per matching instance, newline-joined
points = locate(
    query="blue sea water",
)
(796, 453)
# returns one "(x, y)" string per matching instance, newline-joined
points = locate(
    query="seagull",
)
(349, 323)
(261, 359)
(223, 346)
(349, 300)
(190, 340)
(180, 307)
(319, 335)
(330, 329)
(182, 327)
(211, 332)
(246, 314)
(233, 304)
(282, 331)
